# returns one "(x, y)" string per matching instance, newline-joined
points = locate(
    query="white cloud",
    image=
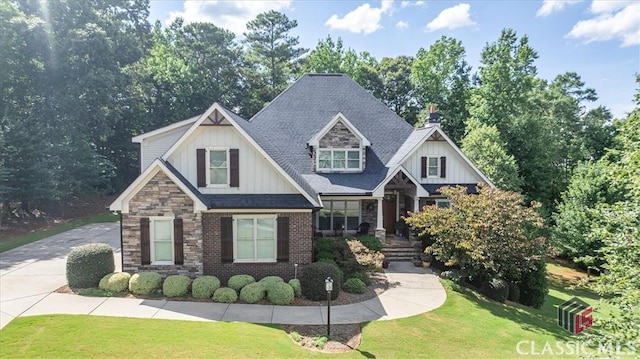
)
(364, 19)
(402, 25)
(452, 18)
(230, 15)
(607, 6)
(612, 22)
(404, 4)
(550, 6)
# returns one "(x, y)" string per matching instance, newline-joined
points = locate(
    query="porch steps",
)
(404, 253)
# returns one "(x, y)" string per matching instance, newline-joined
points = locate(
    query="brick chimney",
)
(434, 117)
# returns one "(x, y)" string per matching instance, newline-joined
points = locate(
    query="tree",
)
(396, 88)
(441, 77)
(486, 150)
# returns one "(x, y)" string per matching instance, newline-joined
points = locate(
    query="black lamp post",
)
(328, 285)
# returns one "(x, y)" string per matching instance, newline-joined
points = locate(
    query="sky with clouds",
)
(598, 39)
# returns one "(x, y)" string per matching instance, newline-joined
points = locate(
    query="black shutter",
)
(226, 239)
(443, 167)
(234, 168)
(202, 167)
(283, 239)
(145, 245)
(178, 252)
(423, 167)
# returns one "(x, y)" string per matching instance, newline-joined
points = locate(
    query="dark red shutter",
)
(283, 239)
(145, 245)
(423, 167)
(201, 164)
(226, 239)
(443, 167)
(178, 252)
(234, 168)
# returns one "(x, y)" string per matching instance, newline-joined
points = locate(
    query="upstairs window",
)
(339, 159)
(218, 167)
(433, 167)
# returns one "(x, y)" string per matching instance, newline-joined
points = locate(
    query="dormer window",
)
(339, 159)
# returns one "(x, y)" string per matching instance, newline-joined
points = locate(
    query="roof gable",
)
(163, 130)
(339, 118)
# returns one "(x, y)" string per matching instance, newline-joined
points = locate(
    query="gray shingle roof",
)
(292, 118)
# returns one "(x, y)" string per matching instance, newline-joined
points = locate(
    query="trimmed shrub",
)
(326, 245)
(269, 281)
(496, 289)
(324, 255)
(115, 282)
(333, 263)
(371, 242)
(225, 295)
(145, 283)
(533, 287)
(281, 294)
(88, 264)
(453, 275)
(312, 281)
(514, 292)
(363, 276)
(205, 286)
(237, 282)
(295, 284)
(354, 285)
(176, 286)
(253, 293)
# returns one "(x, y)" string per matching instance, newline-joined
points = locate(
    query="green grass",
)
(467, 326)
(27, 238)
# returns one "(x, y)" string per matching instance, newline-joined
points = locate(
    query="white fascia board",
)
(394, 161)
(379, 190)
(161, 130)
(315, 140)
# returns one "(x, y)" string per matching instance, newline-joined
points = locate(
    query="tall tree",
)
(396, 88)
(441, 78)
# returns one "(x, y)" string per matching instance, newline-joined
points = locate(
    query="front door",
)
(389, 213)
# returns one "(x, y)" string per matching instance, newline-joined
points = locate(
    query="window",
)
(338, 159)
(161, 233)
(339, 215)
(443, 203)
(433, 169)
(254, 238)
(218, 167)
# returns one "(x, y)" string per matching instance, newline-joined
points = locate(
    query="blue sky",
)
(600, 40)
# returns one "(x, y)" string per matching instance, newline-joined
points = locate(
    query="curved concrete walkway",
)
(29, 275)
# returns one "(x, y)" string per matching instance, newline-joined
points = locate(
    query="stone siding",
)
(300, 249)
(339, 137)
(369, 215)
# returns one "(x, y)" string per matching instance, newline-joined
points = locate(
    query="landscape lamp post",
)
(328, 285)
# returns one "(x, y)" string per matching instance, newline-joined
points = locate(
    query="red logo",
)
(575, 316)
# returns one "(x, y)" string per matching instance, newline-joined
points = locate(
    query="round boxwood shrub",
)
(205, 286)
(115, 282)
(496, 289)
(253, 293)
(333, 263)
(176, 286)
(364, 277)
(88, 264)
(514, 292)
(295, 284)
(281, 293)
(145, 283)
(237, 282)
(225, 295)
(270, 281)
(354, 285)
(312, 281)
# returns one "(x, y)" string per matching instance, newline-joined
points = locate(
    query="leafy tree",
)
(441, 77)
(396, 89)
(486, 149)
(327, 57)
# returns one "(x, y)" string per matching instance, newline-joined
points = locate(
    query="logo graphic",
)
(574, 315)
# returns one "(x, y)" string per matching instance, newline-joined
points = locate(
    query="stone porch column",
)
(381, 233)
(416, 204)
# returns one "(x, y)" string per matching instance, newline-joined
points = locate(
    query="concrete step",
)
(404, 254)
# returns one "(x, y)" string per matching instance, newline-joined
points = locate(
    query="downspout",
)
(121, 243)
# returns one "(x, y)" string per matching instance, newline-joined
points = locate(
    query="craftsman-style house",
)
(222, 195)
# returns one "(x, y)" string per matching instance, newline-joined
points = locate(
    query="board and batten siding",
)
(156, 146)
(458, 170)
(257, 175)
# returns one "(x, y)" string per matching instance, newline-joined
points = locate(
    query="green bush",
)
(496, 289)
(312, 281)
(295, 284)
(253, 293)
(363, 276)
(205, 286)
(176, 286)
(225, 295)
(115, 282)
(269, 281)
(354, 285)
(88, 264)
(326, 245)
(324, 255)
(145, 283)
(281, 294)
(333, 263)
(533, 286)
(371, 242)
(514, 292)
(237, 282)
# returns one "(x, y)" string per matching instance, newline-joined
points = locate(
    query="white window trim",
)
(443, 200)
(152, 241)
(329, 203)
(275, 238)
(346, 159)
(208, 167)
(438, 165)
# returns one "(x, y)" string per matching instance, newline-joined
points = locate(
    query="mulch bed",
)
(344, 337)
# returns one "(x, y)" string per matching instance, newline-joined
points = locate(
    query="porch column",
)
(416, 204)
(381, 233)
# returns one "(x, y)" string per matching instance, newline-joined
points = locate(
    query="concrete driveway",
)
(31, 272)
